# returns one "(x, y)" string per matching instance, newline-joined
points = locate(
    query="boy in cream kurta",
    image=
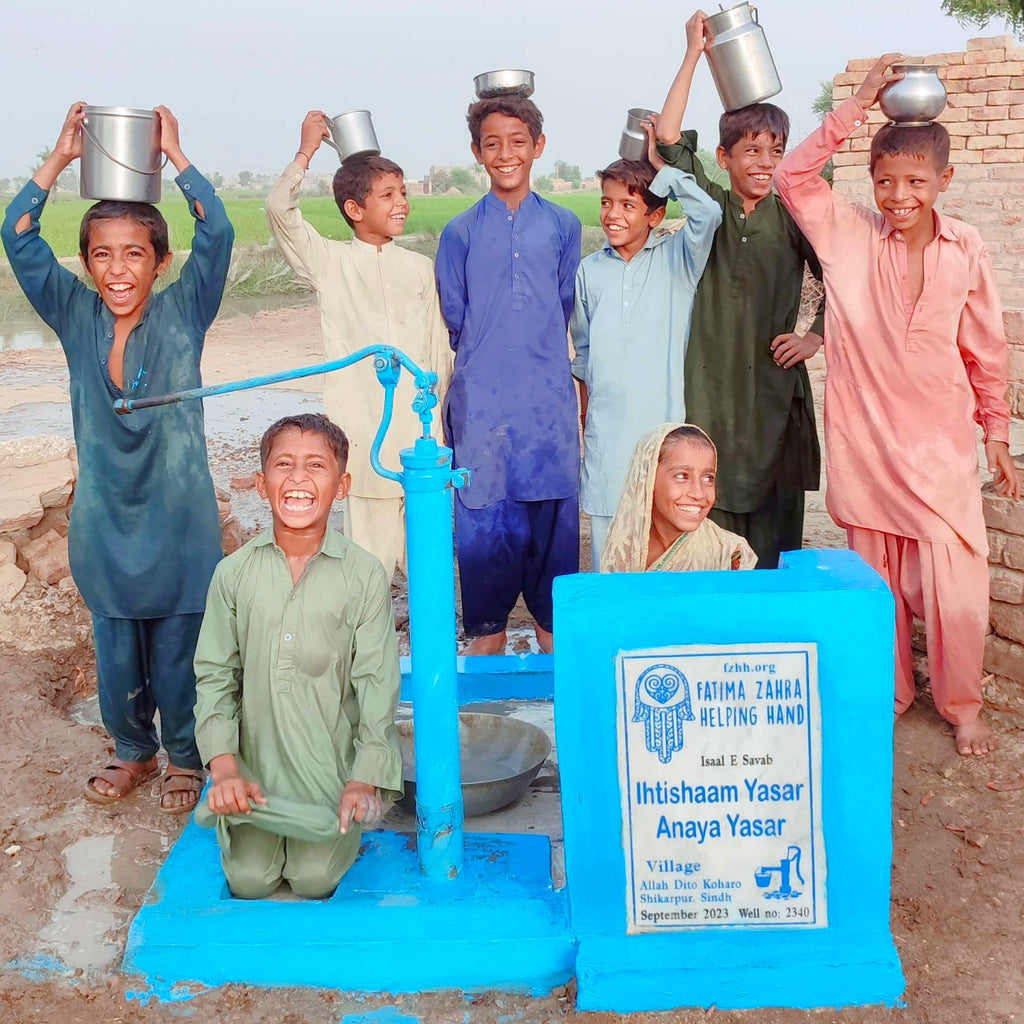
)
(916, 353)
(370, 292)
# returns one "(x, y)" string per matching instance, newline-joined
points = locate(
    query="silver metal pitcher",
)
(507, 82)
(121, 156)
(916, 99)
(633, 142)
(741, 63)
(352, 135)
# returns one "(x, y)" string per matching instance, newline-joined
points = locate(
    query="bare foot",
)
(545, 640)
(974, 738)
(493, 643)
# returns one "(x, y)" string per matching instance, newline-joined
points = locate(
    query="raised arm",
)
(50, 287)
(450, 269)
(302, 247)
(200, 287)
(671, 121)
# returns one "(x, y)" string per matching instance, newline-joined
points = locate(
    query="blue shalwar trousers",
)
(512, 548)
(142, 666)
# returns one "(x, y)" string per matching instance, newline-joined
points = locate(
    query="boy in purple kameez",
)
(505, 274)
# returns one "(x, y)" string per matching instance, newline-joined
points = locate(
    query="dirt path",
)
(72, 875)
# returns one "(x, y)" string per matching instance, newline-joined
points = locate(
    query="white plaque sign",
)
(720, 772)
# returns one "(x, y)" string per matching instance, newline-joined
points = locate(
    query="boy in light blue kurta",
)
(631, 322)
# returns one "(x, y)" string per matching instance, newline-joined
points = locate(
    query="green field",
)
(427, 216)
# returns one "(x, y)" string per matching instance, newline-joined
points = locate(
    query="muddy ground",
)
(72, 874)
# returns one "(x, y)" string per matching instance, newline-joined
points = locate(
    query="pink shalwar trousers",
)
(947, 586)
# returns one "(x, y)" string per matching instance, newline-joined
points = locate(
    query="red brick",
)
(967, 157)
(961, 71)
(1007, 620)
(985, 141)
(966, 128)
(1002, 514)
(1013, 323)
(955, 85)
(991, 42)
(847, 159)
(48, 557)
(1006, 156)
(1014, 173)
(847, 78)
(1004, 658)
(962, 99)
(997, 112)
(976, 85)
(1003, 127)
(944, 59)
(982, 58)
(863, 64)
(1016, 111)
(1007, 67)
(1006, 95)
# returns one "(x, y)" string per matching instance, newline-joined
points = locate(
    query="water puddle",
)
(102, 870)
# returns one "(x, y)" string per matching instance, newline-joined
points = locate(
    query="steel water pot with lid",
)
(633, 142)
(352, 135)
(741, 63)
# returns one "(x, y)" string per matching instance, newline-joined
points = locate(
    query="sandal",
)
(125, 776)
(181, 780)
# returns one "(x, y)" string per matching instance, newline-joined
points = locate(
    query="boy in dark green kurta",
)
(297, 680)
(746, 382)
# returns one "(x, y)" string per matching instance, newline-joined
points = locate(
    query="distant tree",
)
(568, 172)
(463, 179)
(244, 178)
(823, 101)
(323, 186)
(216, 179)
(19, 182)
(542, 183)
(981, 12)
(440, 181)
(5, 184)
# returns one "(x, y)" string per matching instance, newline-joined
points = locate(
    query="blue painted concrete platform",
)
(387, 928)
(491, 677)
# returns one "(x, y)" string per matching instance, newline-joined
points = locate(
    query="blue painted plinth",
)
(829, 599)
(500, 925)
(490, 677)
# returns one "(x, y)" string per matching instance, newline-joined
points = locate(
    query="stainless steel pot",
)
(741, 63)
(916, 99)
(121, 156)
(633, 142)
(504, 83)
(499, 758)
(352, 134)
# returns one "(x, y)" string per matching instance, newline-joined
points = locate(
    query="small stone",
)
(48, 557)
(8, 553)
(67, 586)
(12, 580)
(13, 849)
(231, 535)
(243, 483)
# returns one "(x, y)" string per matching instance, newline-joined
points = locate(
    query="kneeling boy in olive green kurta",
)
(297, 680)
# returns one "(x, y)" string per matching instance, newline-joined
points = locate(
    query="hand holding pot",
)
(314, 131)
(878, 77)
(696, 40)
(67, 148)
(170, 143)
(650, 127)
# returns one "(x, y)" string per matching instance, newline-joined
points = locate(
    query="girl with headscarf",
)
(662, 522)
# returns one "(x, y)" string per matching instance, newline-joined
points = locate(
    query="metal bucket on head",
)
(353, 135)
(633, 141)
(741, 63)
(121, 156)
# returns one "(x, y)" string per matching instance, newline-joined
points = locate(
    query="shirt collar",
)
(494, 203)
(333, 543)
(654, 239)
(945, 227)
(360, 246)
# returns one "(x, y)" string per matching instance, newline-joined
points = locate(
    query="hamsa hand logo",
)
(662, 703)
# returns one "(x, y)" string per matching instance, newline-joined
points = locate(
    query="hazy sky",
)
(241, 75)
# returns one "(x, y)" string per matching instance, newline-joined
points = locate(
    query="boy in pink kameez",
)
(915, 352)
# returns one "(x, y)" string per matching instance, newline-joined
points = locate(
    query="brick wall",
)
(985, 120)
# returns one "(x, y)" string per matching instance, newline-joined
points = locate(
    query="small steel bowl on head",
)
(510, 82)
(916, 99)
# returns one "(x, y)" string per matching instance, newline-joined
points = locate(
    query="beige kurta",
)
(367, 296)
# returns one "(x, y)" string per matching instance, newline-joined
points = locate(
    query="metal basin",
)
(916, 99)
(504, 83)
(500, 758)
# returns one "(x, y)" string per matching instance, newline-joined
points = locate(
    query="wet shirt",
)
(905, 381)
(301, 681)
(629, 328)
(367, 296)
(505, 279)
(749, 294)
(145, 533)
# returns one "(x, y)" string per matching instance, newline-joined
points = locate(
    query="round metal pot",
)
(504, 83)
(916, 99)
(500, 758)
(121, 156)
(352, 134)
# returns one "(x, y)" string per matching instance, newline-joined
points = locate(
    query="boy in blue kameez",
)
(144, 536)
(631, 323)
(505, 275)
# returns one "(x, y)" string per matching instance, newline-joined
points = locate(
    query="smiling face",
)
(751, 164)
(625, 219)
(122, 262)
(684, 489)
(906, 187)
(383, 213)
(507, 152)
(301, 478)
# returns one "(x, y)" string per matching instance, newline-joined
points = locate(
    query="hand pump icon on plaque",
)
(788, 866)
(662, 703)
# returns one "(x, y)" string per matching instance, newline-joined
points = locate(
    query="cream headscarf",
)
(709, 547)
